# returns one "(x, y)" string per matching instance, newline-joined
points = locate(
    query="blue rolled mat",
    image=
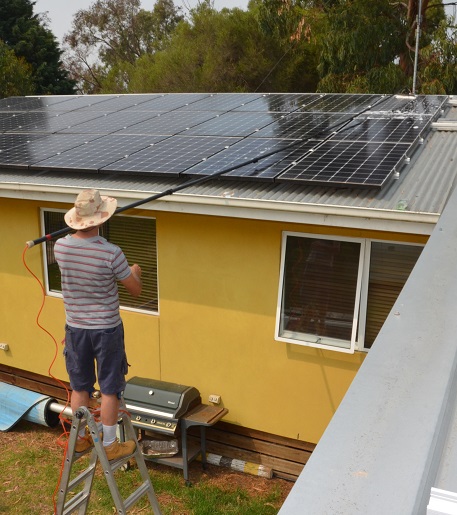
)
(18, 403)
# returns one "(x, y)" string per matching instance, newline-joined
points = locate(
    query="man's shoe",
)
(118, 450)
(83, 443)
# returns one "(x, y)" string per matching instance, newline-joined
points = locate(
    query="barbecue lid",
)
(160, 395)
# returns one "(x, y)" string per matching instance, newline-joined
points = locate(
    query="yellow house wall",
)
(218, 288)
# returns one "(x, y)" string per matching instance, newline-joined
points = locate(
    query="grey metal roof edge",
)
(360, 217)
(395, 430)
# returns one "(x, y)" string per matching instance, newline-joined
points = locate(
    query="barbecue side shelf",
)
(203, 416)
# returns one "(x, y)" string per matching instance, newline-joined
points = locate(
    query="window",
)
(137, 238)
(336, 294)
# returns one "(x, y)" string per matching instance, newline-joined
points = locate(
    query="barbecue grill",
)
(168, 409)
(158, 405)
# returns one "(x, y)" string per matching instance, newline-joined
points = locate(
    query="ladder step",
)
(82, 476)
(78, 500)
(121, 461)
(137, 494)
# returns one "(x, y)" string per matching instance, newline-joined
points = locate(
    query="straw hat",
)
(91, 209)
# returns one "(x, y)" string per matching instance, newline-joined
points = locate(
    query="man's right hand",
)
(136, 270)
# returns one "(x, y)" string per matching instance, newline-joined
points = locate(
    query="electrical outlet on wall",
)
(215, 399)
(4, 346)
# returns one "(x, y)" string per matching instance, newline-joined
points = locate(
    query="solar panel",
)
(171, 101)
(270, 168)
(14, 122)
(303, 125)
(45, 121)
(169, 124)
(107, 123)
(8, 141)
(400, 130)
(240, 152)
(234, 124)
(223, 102)
(333, 139)
(37, 149)
(171, 156)
(28, 103)
(93, 155)
(120, 102)
(413, 105)
(354, 163)
(337, 103)
(275, 102)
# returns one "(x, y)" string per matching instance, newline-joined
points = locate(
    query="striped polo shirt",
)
(90, 269)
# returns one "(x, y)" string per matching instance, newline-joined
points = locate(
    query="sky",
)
(60, 12)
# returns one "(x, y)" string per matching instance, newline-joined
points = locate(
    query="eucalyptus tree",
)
(107, 39)
(368, 45)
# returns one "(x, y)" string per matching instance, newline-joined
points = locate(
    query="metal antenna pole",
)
(416, 57)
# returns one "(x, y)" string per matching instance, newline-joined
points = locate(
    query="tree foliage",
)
(220, 51)
(370, 45)
(109, 37)
(15, 74)
(365, 46)
(28, 37)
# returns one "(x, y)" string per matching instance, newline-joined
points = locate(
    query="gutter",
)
(391, 220)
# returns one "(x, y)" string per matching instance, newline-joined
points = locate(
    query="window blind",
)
(135, 236)
(390, 267)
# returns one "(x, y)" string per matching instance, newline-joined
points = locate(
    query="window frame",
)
(58, 294)
(357, 342)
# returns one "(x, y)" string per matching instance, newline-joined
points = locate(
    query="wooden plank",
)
(29, 375)
(258, 446)
(30, 383)
(268, 437)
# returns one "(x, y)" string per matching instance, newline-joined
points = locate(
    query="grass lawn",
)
(30, 461)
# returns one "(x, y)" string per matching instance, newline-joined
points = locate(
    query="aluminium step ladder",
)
(79, 501)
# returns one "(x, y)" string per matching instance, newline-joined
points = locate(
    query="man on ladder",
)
(90, 267)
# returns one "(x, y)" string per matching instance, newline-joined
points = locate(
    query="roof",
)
(423, 186)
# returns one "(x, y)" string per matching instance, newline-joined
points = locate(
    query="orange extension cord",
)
(62, 441)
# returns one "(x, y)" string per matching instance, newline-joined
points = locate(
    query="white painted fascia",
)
(406, 222)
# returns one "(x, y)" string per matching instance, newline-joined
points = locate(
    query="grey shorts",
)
(105, 347)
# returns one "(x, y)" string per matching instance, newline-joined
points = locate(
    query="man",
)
(90, 267)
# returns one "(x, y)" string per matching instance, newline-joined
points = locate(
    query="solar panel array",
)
(327, 139)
